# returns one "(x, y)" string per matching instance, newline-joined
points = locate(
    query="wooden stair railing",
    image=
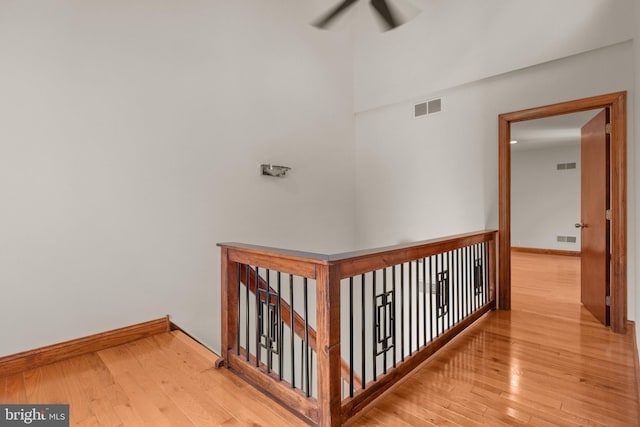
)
(298, 327)
(450, 283)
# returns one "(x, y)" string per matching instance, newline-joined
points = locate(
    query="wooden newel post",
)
(229, 299)
(328, 346)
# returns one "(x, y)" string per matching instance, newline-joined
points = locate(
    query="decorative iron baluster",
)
(393, 286)
(384, 290)
(478, 279)
(269, 319)
(442, 294)
(384, 324)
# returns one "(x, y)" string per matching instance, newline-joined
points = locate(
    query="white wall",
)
(454, 42)
(438, 175)
(130, 139)
(545, 201)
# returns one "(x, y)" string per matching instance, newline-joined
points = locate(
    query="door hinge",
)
(608, 301)
(607, 214)
(607, 128)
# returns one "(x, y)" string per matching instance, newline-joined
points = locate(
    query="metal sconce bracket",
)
(274, 170)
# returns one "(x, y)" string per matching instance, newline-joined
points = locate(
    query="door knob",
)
(578, 225)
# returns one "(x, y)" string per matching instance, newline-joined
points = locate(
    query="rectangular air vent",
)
(565, 166)
(567, 239)
(420, 110)
(434, 106)
(426, 108)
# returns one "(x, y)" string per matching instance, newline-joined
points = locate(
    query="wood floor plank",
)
(12, 389)
(188, 395)
(217, 382)
(148, 401)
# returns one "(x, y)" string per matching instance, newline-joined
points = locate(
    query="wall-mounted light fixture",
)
(274, 170)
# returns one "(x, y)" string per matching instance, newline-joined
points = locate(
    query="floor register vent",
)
(428, 107)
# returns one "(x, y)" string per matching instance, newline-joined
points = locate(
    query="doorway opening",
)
(615, 105)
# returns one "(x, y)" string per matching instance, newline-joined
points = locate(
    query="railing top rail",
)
(411, 245)
(316, 258)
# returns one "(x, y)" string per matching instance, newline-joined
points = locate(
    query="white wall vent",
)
(434, 106)
(565, 166)
(426, 108)
(420, 109)
(567, 239)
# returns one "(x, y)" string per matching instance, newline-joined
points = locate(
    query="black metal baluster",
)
(424, 301)
(280, 327)
(441, 294)
(239, 276)
(469, 280)
(459, 275)
(258, 316)
(351, 337)
(363, 331)
(293, 333)
(410, 308)
(247, 282)
(449, 286)
(402, 311)
(384, 290)
(431, 310)
(395, 332)
(374, 323)
(306, 338)
(267, 343)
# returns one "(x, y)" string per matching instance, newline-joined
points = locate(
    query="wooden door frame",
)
(617, 105)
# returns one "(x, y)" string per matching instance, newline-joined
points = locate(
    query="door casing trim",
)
(617, 105)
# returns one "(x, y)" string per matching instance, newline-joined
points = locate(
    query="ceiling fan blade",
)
(385, 13)
(340, 8)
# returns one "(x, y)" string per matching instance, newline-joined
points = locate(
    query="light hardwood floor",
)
(545, 363)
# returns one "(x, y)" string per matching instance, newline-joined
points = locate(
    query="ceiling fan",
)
(386, 13)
